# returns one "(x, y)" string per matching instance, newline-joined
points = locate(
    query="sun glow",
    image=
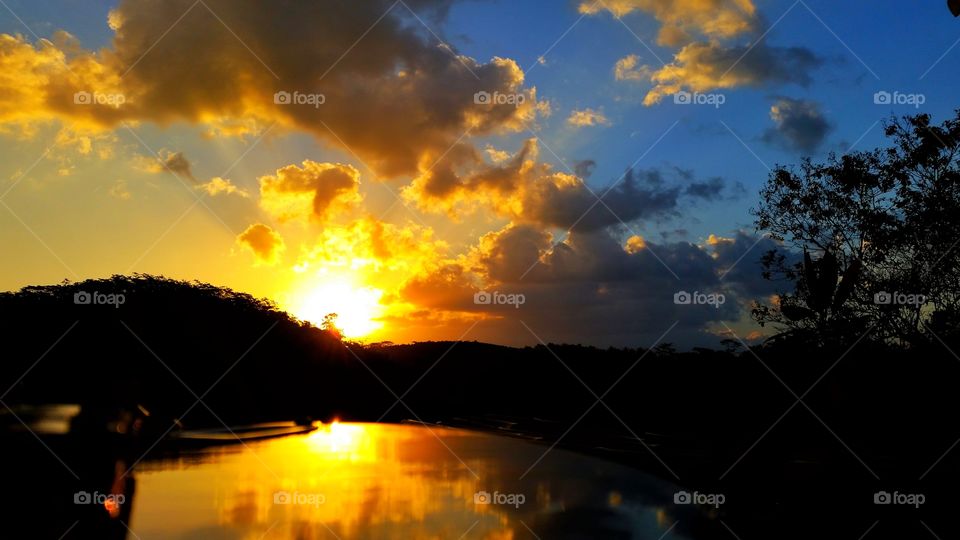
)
(357, 306)
(344, 442)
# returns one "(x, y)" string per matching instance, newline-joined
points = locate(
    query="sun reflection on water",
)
(363, 481)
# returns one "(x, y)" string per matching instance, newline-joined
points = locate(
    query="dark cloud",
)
(705, 67)
(709, 190)
(584, 168)
(178, 164)
(643, 194)
(638, 195)
(592, 287)
(799, 125)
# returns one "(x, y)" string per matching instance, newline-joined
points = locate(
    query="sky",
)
(511, 172)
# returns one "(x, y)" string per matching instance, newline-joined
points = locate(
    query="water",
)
(398, 481)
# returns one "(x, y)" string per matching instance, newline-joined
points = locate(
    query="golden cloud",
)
(714, 240)
(680, 19)
(421, 95)
(587, 118)
(628, 68)
(704, 61)
(634, 244)
(217, 186)
(319, 190)
(266, 244)
(703, 67)
(462, 182)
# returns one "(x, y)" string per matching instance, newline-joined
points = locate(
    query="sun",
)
(357, 307)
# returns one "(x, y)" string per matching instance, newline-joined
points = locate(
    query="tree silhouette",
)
(878, 231)
(329, 324)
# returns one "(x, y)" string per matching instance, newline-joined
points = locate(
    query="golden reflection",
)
(358, 481)
(345, 442)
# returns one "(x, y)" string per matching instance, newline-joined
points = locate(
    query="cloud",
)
(166, 162)
(591, 286)
(584, 168)
(449, 287)
(217, 186)
(317, 190)
(703, 67)
(119, 191)
(738, 258)
(713, 189)
(266, 244)
(587, 117)
(708, 58)
(418, 92)
(524, 190)
(177, 164)
(462, 181)
(682, 19)
(372, 253)
(563, 201)
(628, 68)
(799, 125)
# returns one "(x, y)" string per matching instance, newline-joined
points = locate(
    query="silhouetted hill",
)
(166, 344)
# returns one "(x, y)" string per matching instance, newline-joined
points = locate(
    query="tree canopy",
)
(878, 230)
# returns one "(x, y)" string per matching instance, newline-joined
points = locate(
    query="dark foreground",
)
(800, 440)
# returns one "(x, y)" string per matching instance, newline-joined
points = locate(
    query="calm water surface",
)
(396, 481)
